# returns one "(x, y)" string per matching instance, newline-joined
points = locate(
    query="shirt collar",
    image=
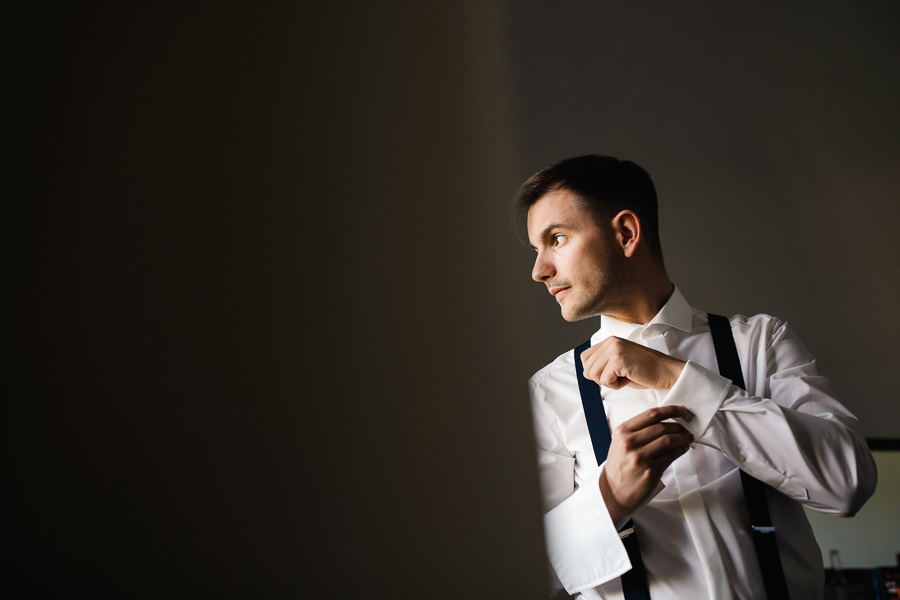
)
(676, 312)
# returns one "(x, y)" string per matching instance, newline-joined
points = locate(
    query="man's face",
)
(577, 260)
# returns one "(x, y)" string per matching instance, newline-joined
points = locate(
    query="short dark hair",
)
(604, 186)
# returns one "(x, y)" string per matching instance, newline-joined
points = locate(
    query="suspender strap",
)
(594, 412)
(754, 490)
(634, 582)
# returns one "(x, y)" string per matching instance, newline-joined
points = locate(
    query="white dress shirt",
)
(787, 430)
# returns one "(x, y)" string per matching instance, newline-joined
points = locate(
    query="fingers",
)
(615, 363)
(599, 367)
(654, 415)
(642, 449)
(659, 438)
(595, 362)
(669, 457)
(605, 364)
(650, 438)
(608, 363)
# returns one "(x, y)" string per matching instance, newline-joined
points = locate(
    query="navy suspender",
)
(594, 412)
(754, 490)
(634, 582)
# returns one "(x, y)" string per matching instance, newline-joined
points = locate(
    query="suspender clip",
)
(759, 529)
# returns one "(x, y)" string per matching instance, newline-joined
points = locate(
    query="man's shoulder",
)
(560, 370)
(760, 323)
(760, 333)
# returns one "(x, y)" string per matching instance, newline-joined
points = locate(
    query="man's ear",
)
(627, 228)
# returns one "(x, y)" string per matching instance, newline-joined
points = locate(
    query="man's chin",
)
(575, 315)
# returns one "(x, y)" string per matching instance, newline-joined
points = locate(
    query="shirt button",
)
(741, 458)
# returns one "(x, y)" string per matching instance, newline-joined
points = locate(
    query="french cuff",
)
(582, 542)
(699, 390)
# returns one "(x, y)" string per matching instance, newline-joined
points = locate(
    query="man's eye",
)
(559, 238)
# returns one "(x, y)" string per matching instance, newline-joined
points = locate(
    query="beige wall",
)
(772, 134)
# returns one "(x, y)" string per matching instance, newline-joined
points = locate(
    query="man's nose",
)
(543, 268)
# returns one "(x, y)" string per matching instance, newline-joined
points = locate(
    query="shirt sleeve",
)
(789, 431)
(583, 545)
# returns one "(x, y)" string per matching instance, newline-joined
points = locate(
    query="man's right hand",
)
(641, 449)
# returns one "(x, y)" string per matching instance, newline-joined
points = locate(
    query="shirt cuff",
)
(699, 390)
(582, 542)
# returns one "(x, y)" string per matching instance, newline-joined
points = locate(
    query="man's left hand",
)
(616, 363)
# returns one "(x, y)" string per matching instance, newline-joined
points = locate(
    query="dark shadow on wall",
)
(255, 338)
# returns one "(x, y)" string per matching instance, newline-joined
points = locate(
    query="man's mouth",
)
(559, 292)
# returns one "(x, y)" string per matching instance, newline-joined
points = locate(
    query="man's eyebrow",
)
(547, 230)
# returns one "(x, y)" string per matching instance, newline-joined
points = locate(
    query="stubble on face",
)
(578, 259)
(602, 285)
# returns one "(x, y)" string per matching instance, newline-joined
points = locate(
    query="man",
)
(681, 432)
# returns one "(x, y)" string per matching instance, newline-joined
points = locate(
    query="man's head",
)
(592, 221)
(604, 186)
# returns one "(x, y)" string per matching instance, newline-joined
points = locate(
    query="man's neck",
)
(644, 301)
